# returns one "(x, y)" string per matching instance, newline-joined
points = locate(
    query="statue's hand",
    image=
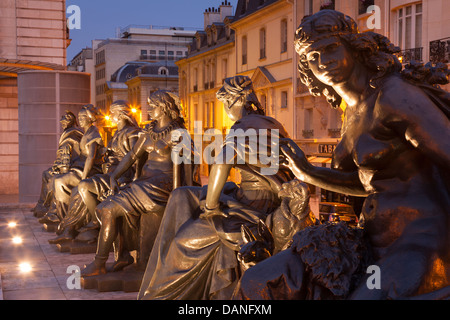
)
(113, 185)
(207, 212)
(293, 157)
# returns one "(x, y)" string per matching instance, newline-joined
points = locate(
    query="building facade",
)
(135, 43)
(260, 45)
(33, 36)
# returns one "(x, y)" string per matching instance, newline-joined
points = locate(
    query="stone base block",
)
(127, 280)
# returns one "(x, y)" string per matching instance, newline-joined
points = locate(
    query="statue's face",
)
(155, 111)
(115, 116)
(84, 120)
(330, 61)
(65, 121)
(234, 108)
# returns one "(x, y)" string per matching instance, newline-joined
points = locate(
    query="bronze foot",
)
(95, 268)
(122, 263)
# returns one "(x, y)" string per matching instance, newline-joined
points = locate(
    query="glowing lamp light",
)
(107, 118)
(25, 267)
(12, 224)
(134, 110)
(17, 240)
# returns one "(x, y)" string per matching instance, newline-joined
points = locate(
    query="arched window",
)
(163, 71)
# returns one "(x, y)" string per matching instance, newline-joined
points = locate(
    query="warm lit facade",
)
(264, 53)
(211, 58)
(261, 46)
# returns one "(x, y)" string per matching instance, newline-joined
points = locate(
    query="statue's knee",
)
(83, 188)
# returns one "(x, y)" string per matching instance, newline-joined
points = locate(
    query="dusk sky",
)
(101, 18)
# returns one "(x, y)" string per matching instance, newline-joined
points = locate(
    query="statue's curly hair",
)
(240, 87)
(373, 50)
(170, 103)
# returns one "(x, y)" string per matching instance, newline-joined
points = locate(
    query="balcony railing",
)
(195, 88)
(408, 55)
(440, 50)
(307, 134)
(334, 133)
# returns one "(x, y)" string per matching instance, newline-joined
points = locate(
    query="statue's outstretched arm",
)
(325, 178)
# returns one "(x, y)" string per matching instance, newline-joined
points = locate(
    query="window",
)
(263, 101)
(161, 55)
(100, 57)
(409, 31)
(284, 99)
(283, 35)
(225, 68)
(308, 125)
(170, 55)
(152, 54)
(244, 50)
(262, 43)
(100, 74)
(163, 71)
(195, 89)
(208, 115)
(144, 54)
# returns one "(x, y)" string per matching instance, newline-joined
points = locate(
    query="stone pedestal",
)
(127, 280)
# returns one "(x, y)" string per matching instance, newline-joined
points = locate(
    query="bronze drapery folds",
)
(144, 197)
(90, 192)
(86, 164)
(395, 151)
(195, 252)
(66, 155)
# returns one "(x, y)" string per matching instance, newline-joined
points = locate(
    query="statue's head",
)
(87, 115)
(165, 102)
(330, 46)
(119, 110)
(68, 120)
(238, 97)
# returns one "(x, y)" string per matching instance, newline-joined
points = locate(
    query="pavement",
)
(49, 278)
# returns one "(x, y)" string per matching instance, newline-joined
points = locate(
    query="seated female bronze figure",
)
(90, 192)
(68, 151)
(195, 252)
(150, 192)
(395, 150)
(88, 163)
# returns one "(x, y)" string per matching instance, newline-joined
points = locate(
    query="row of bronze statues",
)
(259, 239)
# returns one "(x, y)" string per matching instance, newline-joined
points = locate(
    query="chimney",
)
(225, 10)
(211, 15)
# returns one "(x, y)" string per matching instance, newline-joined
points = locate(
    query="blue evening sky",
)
(101, 18)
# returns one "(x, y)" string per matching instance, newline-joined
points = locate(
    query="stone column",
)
(43, 98)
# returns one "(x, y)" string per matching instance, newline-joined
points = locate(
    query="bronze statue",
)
(276, 232)
(90, 192)
(68, 151)
(87, 164)
(195, 252)
(395, 151)
(145, 196)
